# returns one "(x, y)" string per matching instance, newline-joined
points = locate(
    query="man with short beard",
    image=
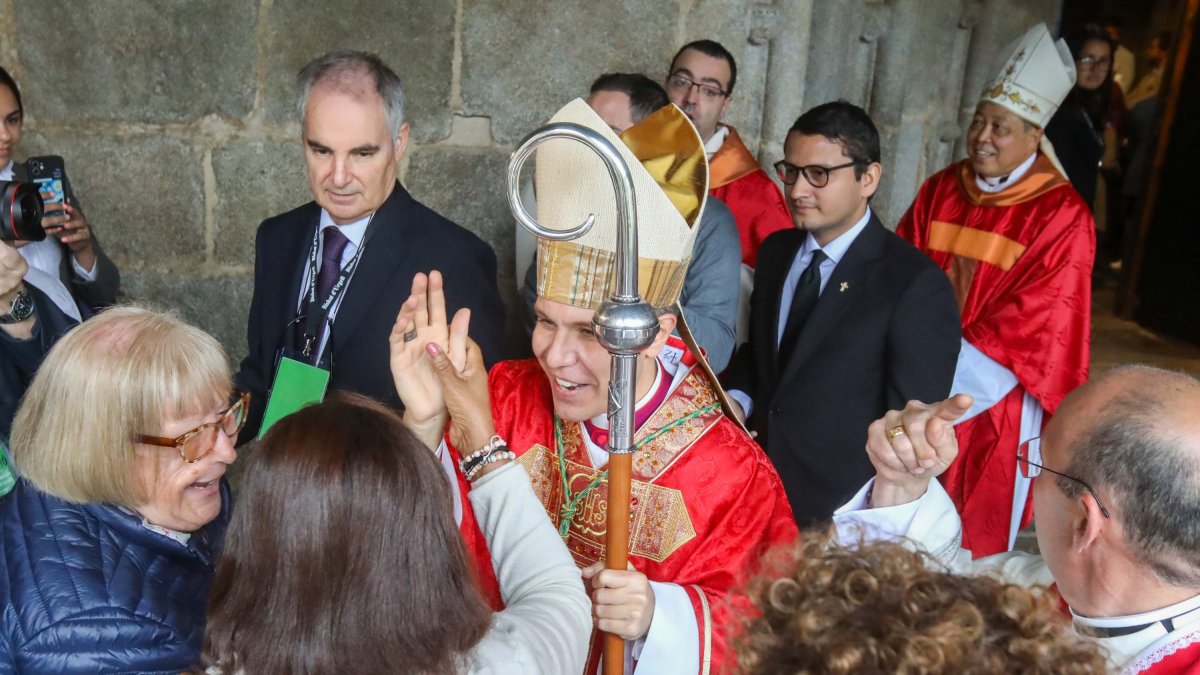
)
(1018, 243)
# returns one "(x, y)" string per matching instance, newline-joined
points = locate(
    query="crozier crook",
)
(624, 324)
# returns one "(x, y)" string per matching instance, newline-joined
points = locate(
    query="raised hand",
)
(420, 322)
(910, 447)
(465, 390)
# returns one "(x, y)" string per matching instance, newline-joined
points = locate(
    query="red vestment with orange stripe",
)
(735, 178)
(1020, 261)
(706, 502)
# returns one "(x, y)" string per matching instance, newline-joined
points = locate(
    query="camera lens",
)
(20, 212)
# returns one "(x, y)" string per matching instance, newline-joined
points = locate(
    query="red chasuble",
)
(1020, 261)
(757, 205)
(706, 501)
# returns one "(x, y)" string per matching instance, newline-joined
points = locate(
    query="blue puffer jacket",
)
(87, 589)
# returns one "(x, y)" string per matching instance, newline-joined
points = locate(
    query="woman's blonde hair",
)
(883, 608)
(120, 373)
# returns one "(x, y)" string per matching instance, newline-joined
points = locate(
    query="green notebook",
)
(296, 385)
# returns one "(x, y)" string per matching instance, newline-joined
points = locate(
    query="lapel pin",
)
(843, 287)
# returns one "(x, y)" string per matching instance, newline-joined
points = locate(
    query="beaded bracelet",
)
(490, 458)
(479, 456)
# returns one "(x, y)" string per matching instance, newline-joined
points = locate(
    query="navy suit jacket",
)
(407, 237)
(884, 331)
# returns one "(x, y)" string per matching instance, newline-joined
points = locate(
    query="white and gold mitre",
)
(1037, 76)
(670, 178)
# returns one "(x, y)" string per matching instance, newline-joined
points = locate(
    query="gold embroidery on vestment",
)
(659, 521)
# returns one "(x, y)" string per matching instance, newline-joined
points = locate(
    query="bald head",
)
(1134, 435)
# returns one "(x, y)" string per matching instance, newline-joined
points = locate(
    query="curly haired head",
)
(882, 608)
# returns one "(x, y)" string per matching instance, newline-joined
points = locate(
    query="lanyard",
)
(312, 322)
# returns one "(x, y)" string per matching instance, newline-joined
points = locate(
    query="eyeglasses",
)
(817, 176)
(708, 91)
(1031, 469)
(1090, 61)
(195, 445)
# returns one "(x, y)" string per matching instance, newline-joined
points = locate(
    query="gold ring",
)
(410, 335)
(895, 431)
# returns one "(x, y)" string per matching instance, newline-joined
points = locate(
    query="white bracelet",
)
(478, 457)
(493, 457)
(492, 444)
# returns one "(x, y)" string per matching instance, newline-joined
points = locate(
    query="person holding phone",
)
(69, 265)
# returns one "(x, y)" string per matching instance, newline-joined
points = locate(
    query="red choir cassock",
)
(1020, 261)
(706, 502)
(735, 178)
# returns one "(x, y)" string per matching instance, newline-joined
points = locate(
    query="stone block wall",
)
(177, 117)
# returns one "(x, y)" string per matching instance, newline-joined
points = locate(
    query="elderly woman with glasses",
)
(108, 540)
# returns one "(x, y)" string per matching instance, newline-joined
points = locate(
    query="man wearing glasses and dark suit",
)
(847, 320)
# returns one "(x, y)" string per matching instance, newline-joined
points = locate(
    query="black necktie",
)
(803, 301)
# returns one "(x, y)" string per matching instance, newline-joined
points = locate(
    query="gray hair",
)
(344, 68)
(1148, 468)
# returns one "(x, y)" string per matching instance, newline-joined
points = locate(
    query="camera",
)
(21, 209)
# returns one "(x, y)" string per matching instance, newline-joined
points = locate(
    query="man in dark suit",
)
(847, 320)
(348, 258)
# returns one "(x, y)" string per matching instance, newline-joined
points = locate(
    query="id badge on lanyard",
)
(296, 385)
(316, 315)
(298, 382)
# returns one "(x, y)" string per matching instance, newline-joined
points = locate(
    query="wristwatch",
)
(22, 308)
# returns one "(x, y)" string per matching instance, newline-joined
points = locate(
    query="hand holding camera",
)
(71, 227)
(31, 211)
(20, 212)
